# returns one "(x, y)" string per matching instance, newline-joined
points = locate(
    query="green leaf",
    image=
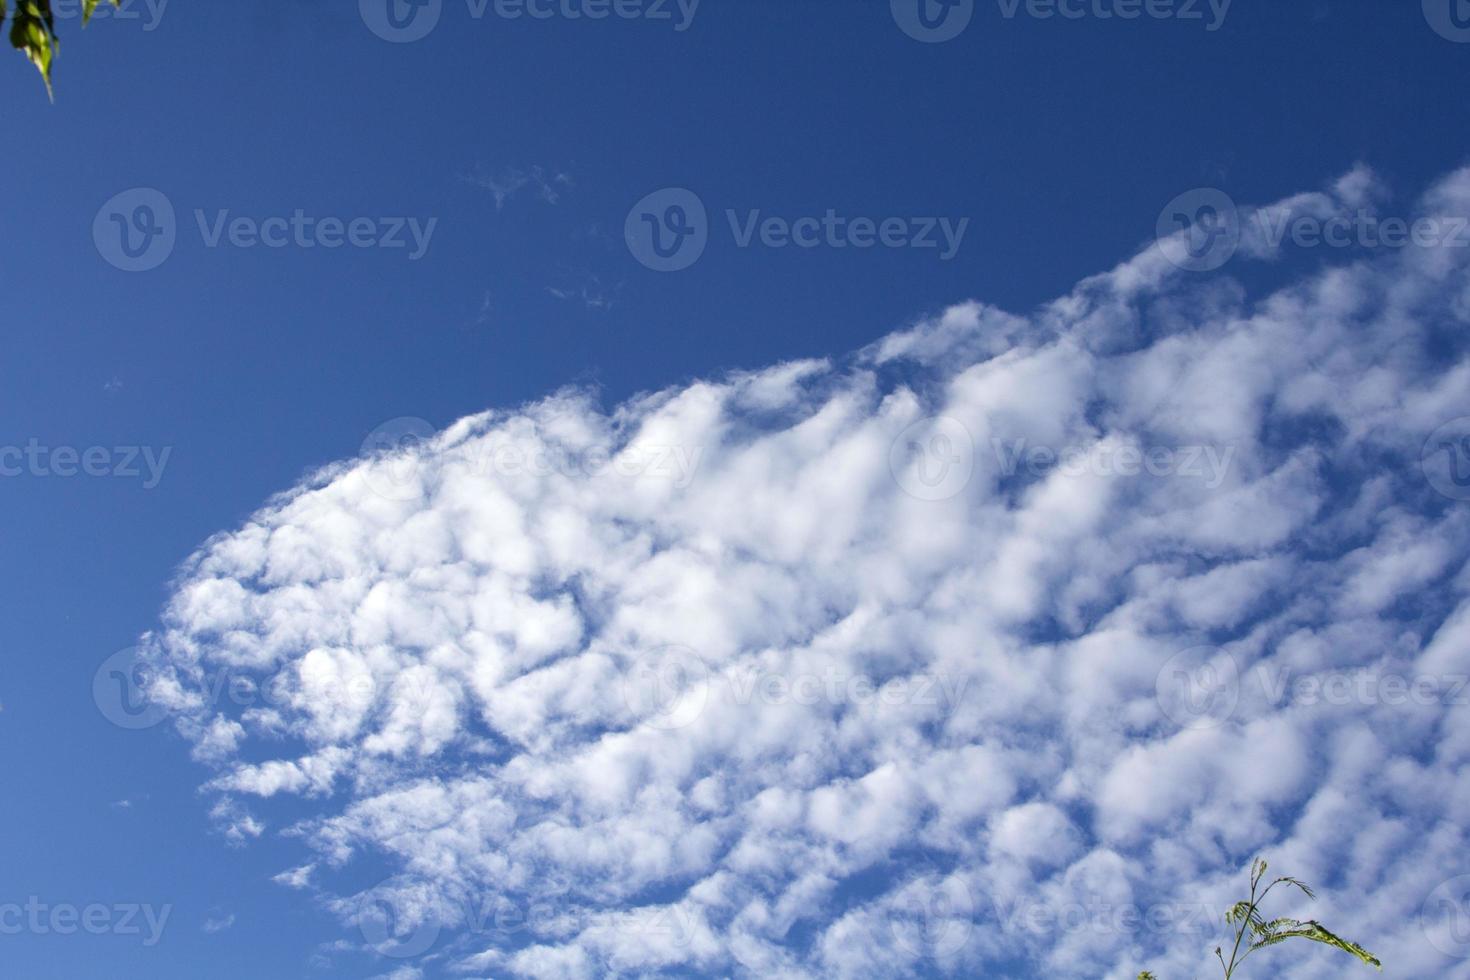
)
(33, 33)
(1317, 933)
(90, 5)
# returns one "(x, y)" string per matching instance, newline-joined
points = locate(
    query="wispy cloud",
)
(936, 658)
(545, 184)
(587, 290)
(218, 921)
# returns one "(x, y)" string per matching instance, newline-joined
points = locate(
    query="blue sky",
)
(517, 148)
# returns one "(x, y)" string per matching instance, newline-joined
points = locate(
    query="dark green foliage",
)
(1248, 922)
(33, 30)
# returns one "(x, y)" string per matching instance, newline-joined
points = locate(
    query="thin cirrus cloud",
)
(504, 184)
(863, 667)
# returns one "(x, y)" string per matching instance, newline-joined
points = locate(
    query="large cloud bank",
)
(998, 648)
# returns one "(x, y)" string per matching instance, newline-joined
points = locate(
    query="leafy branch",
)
(1251, 925)
(33, 31)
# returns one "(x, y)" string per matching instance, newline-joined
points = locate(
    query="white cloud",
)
(218, 921)
(547, 184)
(731, 681)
